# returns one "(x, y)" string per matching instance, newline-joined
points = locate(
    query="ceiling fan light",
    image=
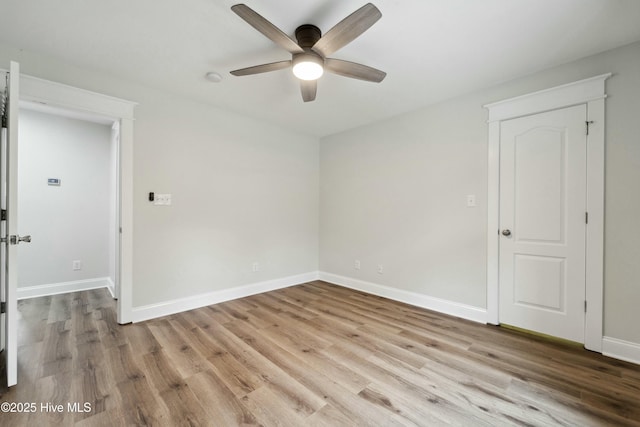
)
(308, 71)
(307, 67)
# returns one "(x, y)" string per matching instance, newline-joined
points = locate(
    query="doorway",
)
(67, 192)
(23, 88)
(51, 94)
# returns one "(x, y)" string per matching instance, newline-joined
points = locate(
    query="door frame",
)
(11, 228)
(58, 95)
(591, 92)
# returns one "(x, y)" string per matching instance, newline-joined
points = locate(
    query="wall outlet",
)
(380, 269)
(77, 265)
(356, 264)
(255, 267)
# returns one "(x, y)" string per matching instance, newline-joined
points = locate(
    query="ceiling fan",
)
(310, 52)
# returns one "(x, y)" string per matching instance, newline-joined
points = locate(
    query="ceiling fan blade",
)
(264, 68)
(347, 30)
(353, 70)
(308, 89)
(267, 28)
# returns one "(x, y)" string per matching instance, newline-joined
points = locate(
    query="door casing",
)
(9, 182)
(591, 92)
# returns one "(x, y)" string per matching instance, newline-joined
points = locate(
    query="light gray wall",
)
(393, 193)
(243, 191)
(71, 221)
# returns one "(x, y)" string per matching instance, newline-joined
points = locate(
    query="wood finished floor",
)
(314, 354)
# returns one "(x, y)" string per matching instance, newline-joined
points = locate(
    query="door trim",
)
(591, 92)
(33, 89)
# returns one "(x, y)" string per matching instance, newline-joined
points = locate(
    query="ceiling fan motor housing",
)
(307, 35)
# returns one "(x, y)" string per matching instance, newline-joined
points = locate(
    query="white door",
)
(542, 222)
(10, 238)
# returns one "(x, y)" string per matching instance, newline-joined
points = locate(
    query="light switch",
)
(161, 199)
(471, 201)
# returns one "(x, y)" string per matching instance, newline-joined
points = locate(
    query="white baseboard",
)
(620, 349)
(436, 304)
(61, 288)
(152, 311)
(111, 287)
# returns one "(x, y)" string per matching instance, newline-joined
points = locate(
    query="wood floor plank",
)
(182, 404)
(374, 343)
(184, 407)
(91, 385)
(234, 360)
(295, 338)
(315, 354)
(598, 382)
(486, 401)
(341, 334)
(111, 334)
(337, 307)
(314, 357)
(285, 307)
(139, 404)
(54, 389)
(566, 406)
(418, 415)
(444, 354)
(328, 416)
(222, 342)
(183, 357)
(270, 410)
(207, 316)
(222, 406)
(329, 388)
(60, 308)
(294, 395)
(33, 320)
(57, 351)
(426, 392)
(140, 339)
(269, 318)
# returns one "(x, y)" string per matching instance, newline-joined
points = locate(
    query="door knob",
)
(506, 232)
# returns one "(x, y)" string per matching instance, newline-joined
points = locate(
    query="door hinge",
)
(588, 122)
(585, 306)
(3, 307)
(3, 215)
(586, 217)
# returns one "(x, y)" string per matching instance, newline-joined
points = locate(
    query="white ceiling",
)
(431, 49)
